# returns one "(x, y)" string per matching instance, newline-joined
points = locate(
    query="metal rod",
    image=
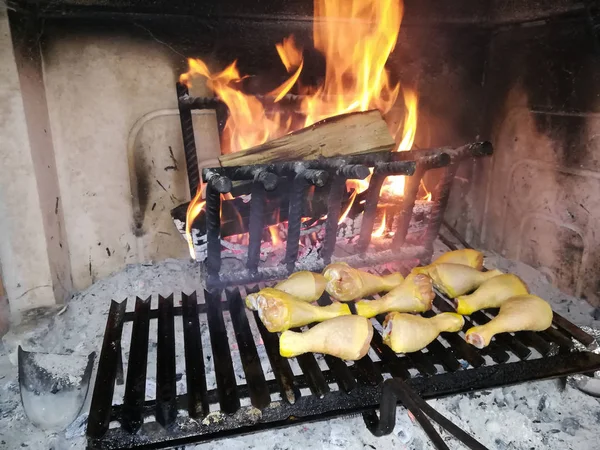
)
(255, 378)
(135, 389)
(100, 409)
(334, 211)
(408, 204)
(189, 141)
(166, 387)
(294, 221)
(255, 226)
(194, 358)
(224, 373)
(213, 234)
(369, 212)
(440, 202)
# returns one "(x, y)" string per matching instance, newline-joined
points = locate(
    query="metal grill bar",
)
(194, 357)
(166, 388)
(493, 350)
(225, 376)
(356, 389)
(255, 378)
(135, 388)
(100, 408)
(315, 378)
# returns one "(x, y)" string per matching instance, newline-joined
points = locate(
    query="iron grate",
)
(307, 388)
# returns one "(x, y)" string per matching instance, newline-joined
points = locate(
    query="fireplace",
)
(116, 157)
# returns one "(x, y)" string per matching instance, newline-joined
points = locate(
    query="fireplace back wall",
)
(108, 79)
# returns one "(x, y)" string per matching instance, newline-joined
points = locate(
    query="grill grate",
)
(247, 397)
(297, 177)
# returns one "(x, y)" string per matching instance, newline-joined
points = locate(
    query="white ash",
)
(533, 415)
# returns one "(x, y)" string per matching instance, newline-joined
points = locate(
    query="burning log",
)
(346, 134)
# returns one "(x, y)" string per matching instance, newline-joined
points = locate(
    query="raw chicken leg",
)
(346, 283)
(280, 311)
(346, 337)
(491, 294)
(456, 279)
(306, 286)
(415, 294)
(406, 333)
(523, 312)
(465, 256)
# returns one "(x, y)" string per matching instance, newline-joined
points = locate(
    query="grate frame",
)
(447, 366)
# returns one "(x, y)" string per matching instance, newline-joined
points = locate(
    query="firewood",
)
(346, 134)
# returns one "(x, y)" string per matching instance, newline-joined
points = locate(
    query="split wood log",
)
(346, 134)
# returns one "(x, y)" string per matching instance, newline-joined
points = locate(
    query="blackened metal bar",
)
(100, 409)
(459, 348)
(534, 340)
(456, 234)
(135, 389)
(560, 339)
(408, 204)
(166, 387)
(219, 182)
(493, 350)
(367, 372)
(440, 354)
(505, 339)
(294, 222)
(188, 102)
(194, 359)
(394, 363)
(498, 375)
(280, 365)
(440, 202)
(369, 212)
(334, 211)
(395, 168)
(224, 374)
(120, 374)
(572, 329)
(213, 234)
(315, 378)
(255, 226)
(255, 378)
(189, 142)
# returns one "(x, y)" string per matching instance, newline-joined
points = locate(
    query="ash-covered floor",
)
(529, 416)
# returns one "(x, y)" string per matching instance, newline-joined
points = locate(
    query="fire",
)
(379, 231)
(395, 185)
(356, 37)
(196, 205)
(350, 203)
(274, 232)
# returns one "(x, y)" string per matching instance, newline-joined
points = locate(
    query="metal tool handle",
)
(395, 390)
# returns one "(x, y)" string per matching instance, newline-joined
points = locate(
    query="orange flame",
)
(350, 203)
(379, 231)
(274, 232)
(395, 185)
(194, 208)
(356, 37)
